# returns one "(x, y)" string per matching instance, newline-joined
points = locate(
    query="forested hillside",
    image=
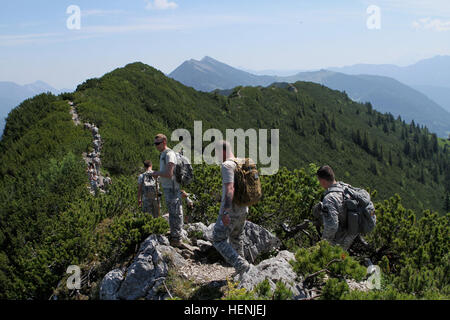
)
(48, 219)
(317, 125)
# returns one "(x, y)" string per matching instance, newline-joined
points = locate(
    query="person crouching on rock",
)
(231, 220)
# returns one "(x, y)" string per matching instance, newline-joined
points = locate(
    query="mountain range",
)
(49, 220)
(386, 94)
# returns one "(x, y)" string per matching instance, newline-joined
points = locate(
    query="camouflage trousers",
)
(173, 202)
(151, 206)
(228, 239)
(335, 233)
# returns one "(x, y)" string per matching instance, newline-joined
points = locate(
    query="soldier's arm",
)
(166, 174)
(330, 216)
(140, 193)
(229, 193)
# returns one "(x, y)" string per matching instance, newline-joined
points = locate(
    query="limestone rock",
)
(111, 284)
(146, 273)
(274, 269)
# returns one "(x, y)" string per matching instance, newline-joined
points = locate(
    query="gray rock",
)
(257, 240)
(274, 269)
(200, 228)
(111, 284)
(146, 273)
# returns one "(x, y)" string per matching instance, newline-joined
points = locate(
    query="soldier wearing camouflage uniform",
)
(149, 201)
(172, 189)
(332, 211)
(231, 220)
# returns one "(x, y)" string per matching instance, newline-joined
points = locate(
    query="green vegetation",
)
(317, 125)
(48, 220)
(262, 291)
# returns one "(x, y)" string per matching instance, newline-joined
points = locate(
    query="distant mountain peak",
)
(208, 59)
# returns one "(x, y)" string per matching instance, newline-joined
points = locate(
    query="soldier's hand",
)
(140, 203)
(226, 219)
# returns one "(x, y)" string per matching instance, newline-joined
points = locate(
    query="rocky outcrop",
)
(257, 240)
(146, 274)
(145, 277)
(111, 284)
(274, 269)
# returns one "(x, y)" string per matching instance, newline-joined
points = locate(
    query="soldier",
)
(97, 162)
(93, 178)
(107, 182)
(97, 145)
(172, 189)
(94, 130)
(231, 220)
(332, 209)
(148, 197)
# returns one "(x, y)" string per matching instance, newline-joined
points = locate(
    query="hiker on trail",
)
(189, 202)
(148, 191)
(107, 182)
(93, 178)
(97, 162)
(172, 189)
(337, 228)
(231, 220)
(187, 196)
(97, 145)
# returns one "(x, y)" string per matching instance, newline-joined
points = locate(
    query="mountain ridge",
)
(209, 74)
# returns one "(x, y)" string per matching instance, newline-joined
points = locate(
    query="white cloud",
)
(161, 5)
(431, 24)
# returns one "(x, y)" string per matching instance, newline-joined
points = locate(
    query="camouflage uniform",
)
(174, 206)
(172, 194)
(150, 203)
(334, 217)
(97, 163)
(232, 251)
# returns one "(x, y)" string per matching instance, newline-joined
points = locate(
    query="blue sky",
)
(35, 43)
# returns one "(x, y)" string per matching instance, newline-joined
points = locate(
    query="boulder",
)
(258, 241)
(111, 284)
(146, 274)
(274, 269)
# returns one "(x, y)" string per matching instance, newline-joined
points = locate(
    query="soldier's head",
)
(147, 164)
(223, 150)
(326, 176)
(160, 142)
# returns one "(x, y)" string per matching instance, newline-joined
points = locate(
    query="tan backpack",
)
(247, 184)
